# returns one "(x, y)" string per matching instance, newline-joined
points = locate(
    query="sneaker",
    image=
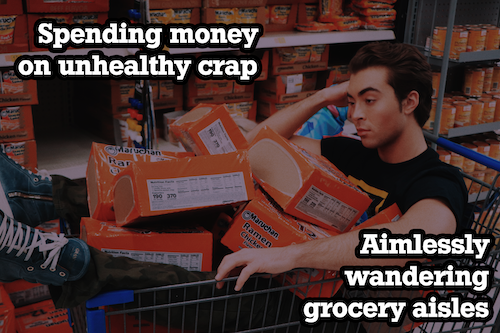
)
(39, 257)
(25, 196)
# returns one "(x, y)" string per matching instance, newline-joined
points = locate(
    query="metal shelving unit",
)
(424, 16)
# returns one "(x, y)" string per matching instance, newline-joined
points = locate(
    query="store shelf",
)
(476, 129)
(479, 56)
(276, 39)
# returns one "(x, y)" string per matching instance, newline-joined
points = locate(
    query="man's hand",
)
(336, 95)
(272, 260)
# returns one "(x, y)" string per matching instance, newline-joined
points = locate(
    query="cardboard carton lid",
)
(194, 115)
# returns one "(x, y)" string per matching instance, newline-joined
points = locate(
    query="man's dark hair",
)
(408, 70)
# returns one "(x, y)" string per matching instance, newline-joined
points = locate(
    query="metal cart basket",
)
(269, 304)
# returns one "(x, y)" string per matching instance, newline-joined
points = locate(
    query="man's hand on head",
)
(272, 260)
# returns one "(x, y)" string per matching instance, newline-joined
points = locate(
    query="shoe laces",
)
(42, 173)
(49, 244)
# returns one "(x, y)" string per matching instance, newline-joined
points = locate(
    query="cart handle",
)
(464, 151)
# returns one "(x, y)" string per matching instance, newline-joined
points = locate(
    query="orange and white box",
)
(23, 153)
(305, 185)
(42, 317)
(22, 292)
(262, 224)
(7, 315)
(189, 247)
(145, 190)
(209, 129)
(105, 162)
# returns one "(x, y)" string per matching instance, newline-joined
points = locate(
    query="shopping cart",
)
(272, 304)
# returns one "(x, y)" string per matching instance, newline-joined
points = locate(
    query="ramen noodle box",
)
(161, 16)
(492, 38)
(474, 82)
(181, 16)
(311, 12)
(469, 165)
(462, 116)
(85, 18)
(477, 109)
(166, 89)
(317, 52)
(477, 40)
(328, 9)
(225, 15)
(303, 54)
(11, 84)
(488, 78)
(448, 113)
(279, 14)
(10, 118)
(457, 160)
(482, 148)
(7, 26)
(305, 185)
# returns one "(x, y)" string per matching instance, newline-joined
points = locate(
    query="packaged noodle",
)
(279, 14)
(303, 53)
(11, 84)
(161, 16)
(311, 12)
(346, 23)
(181, 16)
(328, 9)
(225, 15)
(267, 14)
(315, 27)
(388, 12)
(371, 4)
(166, 89)
(288, 55)
(245, 15)
(85, 18)
(7, 25)
(10, 118)
(317, 52)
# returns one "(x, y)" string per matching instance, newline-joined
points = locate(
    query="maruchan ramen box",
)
(263, 224)
(7, 315)
(42, 317)
(106, 161)
(305, 185)
(16, 124)
(23, 153)
(209, 129)
(187, 247)
(145, 190)
(23, 293)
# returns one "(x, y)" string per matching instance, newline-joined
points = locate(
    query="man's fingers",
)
(244, 275)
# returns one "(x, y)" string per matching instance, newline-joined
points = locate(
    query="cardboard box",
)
(7, 315)
(106, 161)
(305, 185)
(32, 18)
(233, 3)
(208, 130)
(11, 7)
(190, 102)
(16, 124)
(23, 153)
(187, 247)
(146, 190)
(209, 16)
(281, 67)
(193, 19)
(197, 87)
(263, 224)
(23, 293)
(41, 6)
(161, 4)
(291, 20)
(266, 109)
(20, 39)
(264, 61)
(287, 88)
(42, 317)
(243, 109)
(28, 96)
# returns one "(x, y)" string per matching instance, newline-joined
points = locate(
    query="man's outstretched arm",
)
(431, 215)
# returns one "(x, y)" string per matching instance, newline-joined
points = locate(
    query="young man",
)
(389, 99)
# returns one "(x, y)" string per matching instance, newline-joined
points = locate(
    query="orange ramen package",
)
(181, 16)
(11, 84)
(328, 9)
(245, 15)
(7, 25)
(161, 16)
(346, 23)
(9, 118)
(279, 14)
(225, 15)
(317, 52)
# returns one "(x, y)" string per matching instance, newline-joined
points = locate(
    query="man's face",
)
(374, 108)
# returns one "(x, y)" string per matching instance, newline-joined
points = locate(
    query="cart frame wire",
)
(269, 304)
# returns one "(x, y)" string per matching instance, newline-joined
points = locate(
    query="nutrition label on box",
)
(216, 139)
(197, 191)
(188, 261)
(327, 209)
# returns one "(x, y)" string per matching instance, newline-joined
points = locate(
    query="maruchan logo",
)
(7, 19)
(249, 216)
(115, 150)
